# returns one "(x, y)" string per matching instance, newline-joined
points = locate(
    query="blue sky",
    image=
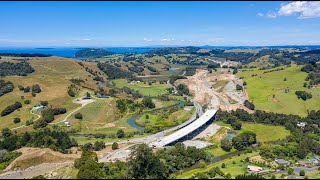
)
(44, 24)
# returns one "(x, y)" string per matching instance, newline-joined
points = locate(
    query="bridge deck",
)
(186, 130)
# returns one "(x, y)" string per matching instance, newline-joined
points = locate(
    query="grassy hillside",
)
(264, 132)
(145, 89)
(267, 91)
(53, 74)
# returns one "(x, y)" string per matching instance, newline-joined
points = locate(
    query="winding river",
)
(131, 122)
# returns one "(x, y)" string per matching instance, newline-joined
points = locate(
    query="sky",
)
(132, 24)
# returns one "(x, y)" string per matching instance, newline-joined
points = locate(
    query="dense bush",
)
(15, 69)
(183, 89)
(147, 102)
(16, 120)
(11, 108)
(5, 87)
(249, 105)
(36, 88)
(244, 140)
(114, 72)
(303, 95)
(53, 139)
(98, 145)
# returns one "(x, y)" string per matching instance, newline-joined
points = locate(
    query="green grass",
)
(160, 120)
(145, 89)
(233, 169)
(264, 133)
(261, 91)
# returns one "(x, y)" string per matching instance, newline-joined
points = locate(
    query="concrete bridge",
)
(187, 131)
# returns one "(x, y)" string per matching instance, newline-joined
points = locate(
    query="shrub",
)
(16, 120)
(120, 133)
(115, 146)
(78, 116)
(27, 101)
(36, 88)
(98, 145)
(249, 105)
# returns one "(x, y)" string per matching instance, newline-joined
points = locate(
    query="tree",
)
(120, 133)
(290, 171)
(98, 145)
(147, 102)
(6, 132)
(239, 87)
(36, 88)
(16, 120)
(88, 95)
(78, 116)
(115, 146)
(302, 173)
(143, 164)
(223, 165)
(44, 103)
(226, 145)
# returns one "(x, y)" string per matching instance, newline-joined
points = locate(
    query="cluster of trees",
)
(54, 139)
(136, 69)
(5, 87)
(244, 140)
(152, 69)
(142, 163)
(147, 102)
(77, 81)
(313, 71)
(92, 53)
(94, 74)
(190, 71)
(11, 108)
(48, 116)
(173, 50)
(73, 90)
(183, 89)
(114, 72)
(135, 94)
(35, 88)
(25, 55)
(213, 65)
(7, 157)
(127, 104)
(22, 68)
(174, 78)
(303, 95)
(212, 173)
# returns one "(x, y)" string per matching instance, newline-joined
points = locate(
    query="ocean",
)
(70, 52)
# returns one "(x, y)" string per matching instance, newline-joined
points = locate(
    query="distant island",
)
(92, 53)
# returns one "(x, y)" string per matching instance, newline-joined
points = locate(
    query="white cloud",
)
(260, 14)
(147, 39)
(271, 14)
(167, 39)
(306, 9)
(86, 39)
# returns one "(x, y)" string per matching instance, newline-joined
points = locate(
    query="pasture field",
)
(234, 169)
(264, 132)
(148, 90)
(267, 90)
(53, 75)
(161, 120)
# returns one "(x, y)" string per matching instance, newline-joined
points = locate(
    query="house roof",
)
(281, 161)
(254, 168)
